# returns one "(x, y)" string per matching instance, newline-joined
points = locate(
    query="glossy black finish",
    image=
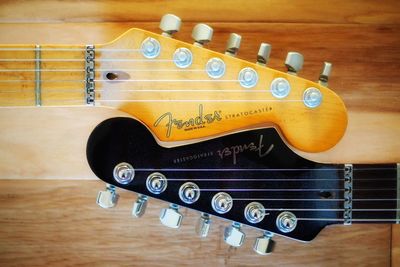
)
(250, 166)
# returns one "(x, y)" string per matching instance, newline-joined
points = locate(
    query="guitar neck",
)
(43, 75)
(375, 193)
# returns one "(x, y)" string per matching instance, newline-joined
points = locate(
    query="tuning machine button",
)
(325, 73)
(294, 62)
(264, 244)
(203, 225)
(263, 54)
(171, 217)
(233, 45)
(107, 198)
(139, 206)
(202, 34)
(233, 236)
(170, 24)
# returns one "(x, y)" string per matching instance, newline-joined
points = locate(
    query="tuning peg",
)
(264, 244)
(263, 54)
(202, 34)
(170, 24)
(139, 207)
(233, 44)
(233, 236)
(294, 62)
(203, 225)
(325, 73)
(108, 198)
(171, 217)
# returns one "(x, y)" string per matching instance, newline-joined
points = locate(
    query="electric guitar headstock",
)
(249, 178)
(184, 92)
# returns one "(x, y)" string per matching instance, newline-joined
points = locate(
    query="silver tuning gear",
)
(170, 24)
(233, 236)
(233, 44)
(325, 73)
(294, 62)
(107, 198)
(171, 217)
(203, 225)
(263, 54)
(139, 206)
(264, 244)
(202, 34)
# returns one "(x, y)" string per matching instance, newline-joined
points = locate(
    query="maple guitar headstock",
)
(184, 92)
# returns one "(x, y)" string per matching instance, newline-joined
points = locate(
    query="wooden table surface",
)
(48, 214)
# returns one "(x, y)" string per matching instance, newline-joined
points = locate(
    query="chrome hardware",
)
(294, 62)
(222, 202)
(264, 244)
(233, 236)
(202, 34)
(171, 217)
(325, 73)
(286, 222)
(38, 83)
(170, 24)
(398, 194)
(139, 206)
(312, 97)
(280, 88)
(263, 54)
(108, 198)
(348, 194)
(156, 183)
(150, 48)
(189, 192)
(183, 57)
(203, 225)
(233, 45)
(124, 173)
(89, 75)
(254, 212)
(215, 68)
(248, 77)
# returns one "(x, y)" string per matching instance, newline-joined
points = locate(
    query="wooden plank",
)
(42, 222)
(57, 223)
(395, 252)
(306, 11)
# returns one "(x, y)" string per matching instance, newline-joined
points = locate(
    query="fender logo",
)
(234, 151)
(199, 120)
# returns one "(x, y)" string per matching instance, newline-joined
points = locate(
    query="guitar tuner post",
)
(156, 183)
(124, 173)
(189, 192)
(286, 222)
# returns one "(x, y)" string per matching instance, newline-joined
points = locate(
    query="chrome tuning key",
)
(233, 236)
(233, 44)
(170, 24)
(263, 54)
(294, 62)
(264, 244)
(202, 34)
(107, 198)
(139, 206)
(171, 217)
(325, 73)
(203, 225)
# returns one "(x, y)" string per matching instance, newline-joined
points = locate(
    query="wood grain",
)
(57, 223)
(306, 11)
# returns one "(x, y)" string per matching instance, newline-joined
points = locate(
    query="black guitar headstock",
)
(250, 178)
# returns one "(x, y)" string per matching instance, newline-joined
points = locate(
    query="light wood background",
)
(48, 214)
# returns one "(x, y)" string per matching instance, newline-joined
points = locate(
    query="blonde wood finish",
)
(40, 227)
(176, 104)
